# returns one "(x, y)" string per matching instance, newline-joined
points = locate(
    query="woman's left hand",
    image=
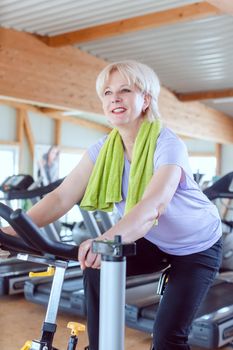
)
(86, 257)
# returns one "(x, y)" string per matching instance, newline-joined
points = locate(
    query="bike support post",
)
(112, 291)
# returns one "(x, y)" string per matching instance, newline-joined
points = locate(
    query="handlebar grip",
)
(16, 244)
(5, 213)
(29, 231)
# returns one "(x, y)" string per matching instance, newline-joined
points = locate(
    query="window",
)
(205, 165)
(67, 161)
(9, 156)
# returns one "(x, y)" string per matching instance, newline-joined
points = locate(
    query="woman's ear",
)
(147, 101)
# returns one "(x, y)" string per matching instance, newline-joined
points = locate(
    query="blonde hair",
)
(138, 74)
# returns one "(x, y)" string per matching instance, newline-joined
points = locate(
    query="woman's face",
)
(122, 103)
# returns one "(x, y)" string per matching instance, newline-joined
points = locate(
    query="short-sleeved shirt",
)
(190, 223)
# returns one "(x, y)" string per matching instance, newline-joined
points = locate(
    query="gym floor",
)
(21, 320)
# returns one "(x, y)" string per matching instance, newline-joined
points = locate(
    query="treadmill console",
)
(16, 182)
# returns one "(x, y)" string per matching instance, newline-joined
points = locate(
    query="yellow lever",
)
(76, 327)
(27, 345)
(50, 272)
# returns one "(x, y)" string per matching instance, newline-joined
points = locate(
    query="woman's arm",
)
(141, 218)
(58, 202)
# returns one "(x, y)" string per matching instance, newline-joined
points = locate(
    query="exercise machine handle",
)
(15, 244)
(36, 192)
(5, 213)
(30, 232)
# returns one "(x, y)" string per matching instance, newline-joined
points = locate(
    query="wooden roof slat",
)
(205, 95)
(148, 21)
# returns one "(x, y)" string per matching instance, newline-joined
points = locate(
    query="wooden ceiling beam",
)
(195, 119)
(205, 95)
(29, 133)
(66, 81)
(57, 134)
(124, 26)
(55, 114)
(225, 6)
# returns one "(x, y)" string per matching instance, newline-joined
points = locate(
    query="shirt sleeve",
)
(94, 149)
(171, 150)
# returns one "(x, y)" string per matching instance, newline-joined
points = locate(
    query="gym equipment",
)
(56, 255)
(112, 278)
(14, 273)
(45, 251)
(222, 188)
(16, 183)
(72, 299)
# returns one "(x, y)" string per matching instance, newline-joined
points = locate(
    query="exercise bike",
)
(32, 245)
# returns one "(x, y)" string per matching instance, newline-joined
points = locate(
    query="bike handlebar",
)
(15, 244)
(34, 241)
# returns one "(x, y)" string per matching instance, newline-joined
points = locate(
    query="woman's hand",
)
(86, 257)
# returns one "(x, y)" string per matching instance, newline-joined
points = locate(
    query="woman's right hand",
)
(86, 257)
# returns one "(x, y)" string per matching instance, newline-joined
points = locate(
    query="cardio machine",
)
(35, 247)
(21, 187)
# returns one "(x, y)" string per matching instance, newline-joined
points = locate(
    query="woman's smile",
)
(122, 101)
(119, 110)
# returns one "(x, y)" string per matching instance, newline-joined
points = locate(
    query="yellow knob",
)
(27, 345)
(76, 327)
(49, 272)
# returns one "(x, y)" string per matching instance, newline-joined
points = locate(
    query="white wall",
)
(7, 123)
(199, 146)
(42, 129)
(227, 159)
(77, 136)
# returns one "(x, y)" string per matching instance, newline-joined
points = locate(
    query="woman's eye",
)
(107, 92)
(125, 90)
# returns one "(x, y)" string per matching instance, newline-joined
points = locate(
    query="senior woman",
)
(142, 169)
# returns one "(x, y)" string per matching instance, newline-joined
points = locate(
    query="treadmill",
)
(213, 326)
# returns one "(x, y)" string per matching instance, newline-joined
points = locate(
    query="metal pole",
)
(112, 305)
(112, 291)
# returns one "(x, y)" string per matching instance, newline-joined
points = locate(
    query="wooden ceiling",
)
(50, 70)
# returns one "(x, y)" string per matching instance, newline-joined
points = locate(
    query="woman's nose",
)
(116, 98)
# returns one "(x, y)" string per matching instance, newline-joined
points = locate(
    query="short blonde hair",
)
(138, 74)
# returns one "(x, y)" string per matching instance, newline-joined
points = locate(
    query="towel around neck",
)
(104, 186)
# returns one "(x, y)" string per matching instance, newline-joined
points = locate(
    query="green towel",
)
(104, 186)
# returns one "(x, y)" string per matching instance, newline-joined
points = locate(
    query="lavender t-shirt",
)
(190, 223)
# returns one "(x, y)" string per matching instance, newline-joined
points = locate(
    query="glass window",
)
(205, 165)
(67, 161)
(9, 156)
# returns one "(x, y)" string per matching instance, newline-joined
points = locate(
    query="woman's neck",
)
(128, 135)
